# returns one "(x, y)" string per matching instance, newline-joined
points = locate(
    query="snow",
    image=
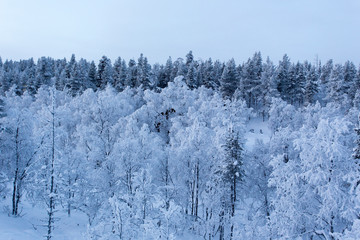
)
(17, 229)
(30, 225)
(257, 129)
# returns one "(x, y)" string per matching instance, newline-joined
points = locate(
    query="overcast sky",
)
(220, 29)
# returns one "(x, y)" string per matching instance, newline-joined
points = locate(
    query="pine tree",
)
(68, 71)
(92, 76)
(229, 80)
(119, 74)
(104, 73)
(131, 74)
(251, 80)
(166, 74)
(75, 80)
(189, 58)
(336, 86)
(191, 76)
(324, 81)
(209, 78)
(31, 74)
(350, 80)
(233, 172)
(268, 87)
(143, 73)
(311, 86)
(283, 77)
(297, 85)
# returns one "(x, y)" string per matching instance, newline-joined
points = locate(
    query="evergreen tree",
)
(131, 74)
(229, 80)
(283, 77)
(336, 86)
(191, 76)
(68, 71)
(268, 88)
(166, 74)
(31, 77)
(60, 74)
(233, 172)
(44, 72)
(143, 73)
(350, 80)
(119, 74)
(209, 78)
(104, 73)
(92, 80)
(251, 80)
(324, 81)
(189, 58)
(298, 85)
(218, 70)
(75, 80)
(311, 86)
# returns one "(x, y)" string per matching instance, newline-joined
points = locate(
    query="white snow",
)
(256, 130)
(30, 226)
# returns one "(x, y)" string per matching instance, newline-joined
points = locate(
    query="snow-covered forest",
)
(188, 149)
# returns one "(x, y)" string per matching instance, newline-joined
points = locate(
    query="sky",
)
(220, 29)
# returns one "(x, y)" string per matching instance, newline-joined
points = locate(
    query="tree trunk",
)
(197, 191)
(52, 172)
(167, 183)
(16, 175)
(221, 226)
(69, 198)
(233, 200)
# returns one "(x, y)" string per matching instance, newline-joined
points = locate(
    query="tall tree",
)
(143, 73)
(251, 80)
(104, 73)
(131, 74)
(119, 74)
(229, 80)
(233, 173)
(311, 86)
(191, 76)
(283, 78)
(17, 148)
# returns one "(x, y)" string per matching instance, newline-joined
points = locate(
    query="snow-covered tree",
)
(229, 80)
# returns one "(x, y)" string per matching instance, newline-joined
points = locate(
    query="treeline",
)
(255, 81)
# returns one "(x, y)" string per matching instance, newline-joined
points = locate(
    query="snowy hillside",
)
(134, 152)
(31, 224)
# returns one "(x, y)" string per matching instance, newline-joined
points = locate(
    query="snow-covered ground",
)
(30, 226)
(256, 129)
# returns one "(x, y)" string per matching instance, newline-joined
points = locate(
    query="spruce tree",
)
(283, 78)
(131, 74)
(229, 80)
(311, 86)
(119, 73)
(91, 78)
(104, 73)
(191, 78)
